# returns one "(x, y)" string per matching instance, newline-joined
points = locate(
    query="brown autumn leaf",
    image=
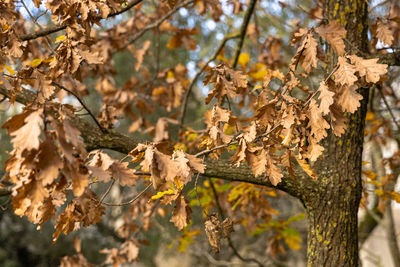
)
(384, 33)
(220, 114)
(317, 123)
(309, 57)
(181, 213)
(227, 82)
(326, 98)
(103, 167)
(26, 136)
(212, 227)
(334, 33)
(130, 250)
(240, 154)
(306, 167)
(49, 161)
(369, 68)
(82, 210)
(338, 119)
(227, 227)
(273, 172)
(345, 73)
(140, 53)
(257, 160)
(349, 99)
(314, 150)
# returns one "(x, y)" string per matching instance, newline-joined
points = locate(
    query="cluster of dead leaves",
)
(49, 159)
(169, 168)
(215, 228)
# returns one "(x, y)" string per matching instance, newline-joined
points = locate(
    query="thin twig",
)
(221, 214)
(58, 28)
(234, 142)
(35, 21)
(106, 193)
(315, 92)
(201, 70)
(388, 107)
(83, 105)
(130, 201)
(158, 22)
(243, 30)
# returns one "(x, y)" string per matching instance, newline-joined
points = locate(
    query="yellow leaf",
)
(9, 69)
(243, 59)
(36, 62)
(370, 116)
(369, 174)
(395, 196)
(379, 192)
(306, 167)
(170, 75)
(60, 38)
(159, 91)
(48, 60)
(219, 57)
(293, 241)
(257, 87)
(163, 193)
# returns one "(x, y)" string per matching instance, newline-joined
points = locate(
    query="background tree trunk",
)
(333, 206)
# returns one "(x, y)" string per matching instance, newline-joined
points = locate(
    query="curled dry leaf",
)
(326, 98)
(384, 33)
(334, 33)
(212, 226)
(103, 167)
(181, 213)
(214, 229)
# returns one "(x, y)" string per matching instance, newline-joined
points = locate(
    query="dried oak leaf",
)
(326, 98)
(338, 120)
(140, 53)
(345, 73)
(25, 130)
(314, 150)
(384, 33)
(130, 250)
(49, 161)
(369, 68)
(84, 209)
(181, 213)
(212, 226)
(220, 114)
(306, 167)
(309, 57)
(227, 227)
(334, 33)
(104, 168)
(257, 160)
(349, 99)
(273, 172)
(226, 82)
(317, 123)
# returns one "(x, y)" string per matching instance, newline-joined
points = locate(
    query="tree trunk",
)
(332, 206)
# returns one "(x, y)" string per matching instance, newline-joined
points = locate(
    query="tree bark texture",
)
(332, 206)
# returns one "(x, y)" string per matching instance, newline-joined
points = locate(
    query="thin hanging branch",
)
(130, 201)
(221, 214)
(158, 22)
(50, 30)
(388, 107)
(82, 104)
(243, 30)
(199, 72)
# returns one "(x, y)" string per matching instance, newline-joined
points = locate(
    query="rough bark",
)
(333, 205)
